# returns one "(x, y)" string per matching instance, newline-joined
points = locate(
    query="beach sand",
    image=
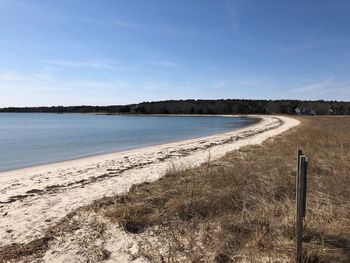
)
(32, 199)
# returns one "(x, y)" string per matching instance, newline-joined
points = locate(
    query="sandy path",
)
(34, 198)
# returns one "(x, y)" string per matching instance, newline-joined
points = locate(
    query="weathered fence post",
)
(301, 184)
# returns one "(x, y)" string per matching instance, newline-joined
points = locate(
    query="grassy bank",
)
(239, 208)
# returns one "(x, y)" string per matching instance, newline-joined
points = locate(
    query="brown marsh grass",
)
(240, 208)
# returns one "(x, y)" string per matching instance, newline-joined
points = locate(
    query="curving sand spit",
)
(34, 198)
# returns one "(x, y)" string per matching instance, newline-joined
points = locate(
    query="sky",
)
(108, 52)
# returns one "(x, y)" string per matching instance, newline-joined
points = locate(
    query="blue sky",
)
(100, 52)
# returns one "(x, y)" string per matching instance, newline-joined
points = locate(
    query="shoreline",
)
(33, 199)
(113, 152)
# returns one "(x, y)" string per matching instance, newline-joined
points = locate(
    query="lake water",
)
(30, 139)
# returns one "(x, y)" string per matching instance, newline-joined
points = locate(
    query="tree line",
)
(227, 106)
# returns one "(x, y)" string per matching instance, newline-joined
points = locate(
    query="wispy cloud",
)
(245, 81)
(42, 88)
(256, 81)
(329, 88)
(165, 63)
(319, 86)
(6, 4)
(103, 64)
(33, 89)
(306, 45)
(126, 24)
(50, 82)
(219, 85)
(12, 76)
(233, 15)
(164, 28)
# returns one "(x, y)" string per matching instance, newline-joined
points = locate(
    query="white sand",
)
(34, 198)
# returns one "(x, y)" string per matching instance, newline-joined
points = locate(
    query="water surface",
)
(28, 139)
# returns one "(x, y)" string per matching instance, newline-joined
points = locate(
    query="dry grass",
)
(241, 207)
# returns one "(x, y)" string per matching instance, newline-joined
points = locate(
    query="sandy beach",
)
(32, 199)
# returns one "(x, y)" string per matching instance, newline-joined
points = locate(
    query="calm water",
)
(31, 139)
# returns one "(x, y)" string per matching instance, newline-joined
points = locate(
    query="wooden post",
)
(297, 178)
(304, 186)
(300, 203)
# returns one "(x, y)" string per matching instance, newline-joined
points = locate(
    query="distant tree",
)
(227, 106)
(192, 110)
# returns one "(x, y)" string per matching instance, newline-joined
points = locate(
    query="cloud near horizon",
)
(104, 64)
